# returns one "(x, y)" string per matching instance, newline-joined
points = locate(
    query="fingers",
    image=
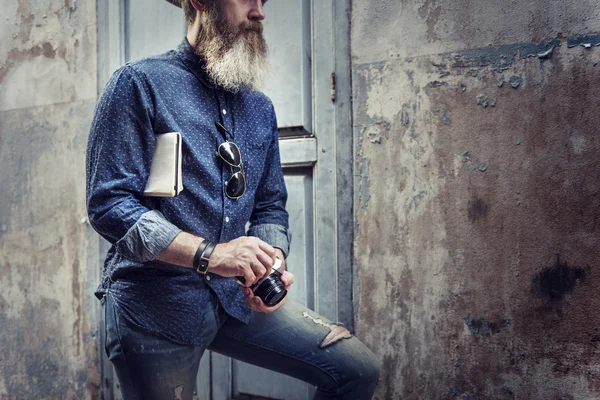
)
(258, 256)
(256, 304)
(267, 248)
(287, 278)
(258, 270)
(263, 308)
(249, 276)
(266, 261)
(246, 256)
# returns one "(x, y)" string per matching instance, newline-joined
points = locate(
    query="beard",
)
(235, 57)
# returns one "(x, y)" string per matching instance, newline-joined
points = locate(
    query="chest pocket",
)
(255, 159)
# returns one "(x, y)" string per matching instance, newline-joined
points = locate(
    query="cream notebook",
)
(165, 172)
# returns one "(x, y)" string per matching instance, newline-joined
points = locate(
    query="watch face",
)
(203, 267)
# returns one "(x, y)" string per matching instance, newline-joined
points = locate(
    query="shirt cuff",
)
(276, 235)
(147, 238)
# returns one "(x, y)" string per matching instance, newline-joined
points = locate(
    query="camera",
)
(269, 289)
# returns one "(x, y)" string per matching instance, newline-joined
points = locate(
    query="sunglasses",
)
(230, 153)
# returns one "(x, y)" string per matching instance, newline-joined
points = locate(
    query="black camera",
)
(270, 289)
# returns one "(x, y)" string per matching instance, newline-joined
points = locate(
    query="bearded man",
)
(168, 287)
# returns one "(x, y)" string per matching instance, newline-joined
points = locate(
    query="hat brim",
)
(175, 2)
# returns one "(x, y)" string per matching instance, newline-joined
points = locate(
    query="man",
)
(168, 288)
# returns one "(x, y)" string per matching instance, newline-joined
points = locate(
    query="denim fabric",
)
(166, 93)
(285, 341)
(149, 366)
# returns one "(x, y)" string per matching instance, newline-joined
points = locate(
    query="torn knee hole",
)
(178, 392)
(336, 333)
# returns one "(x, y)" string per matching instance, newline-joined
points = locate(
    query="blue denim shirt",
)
(172, 93)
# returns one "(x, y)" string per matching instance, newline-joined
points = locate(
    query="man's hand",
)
(245, 256)
(279, 254)
(255, 303)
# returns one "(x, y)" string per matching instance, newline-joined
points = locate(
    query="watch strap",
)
(205, 257)
(198, 254)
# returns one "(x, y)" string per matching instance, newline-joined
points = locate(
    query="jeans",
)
(287, 341)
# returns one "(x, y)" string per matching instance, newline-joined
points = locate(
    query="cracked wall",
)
(477, 194)
(48, 253)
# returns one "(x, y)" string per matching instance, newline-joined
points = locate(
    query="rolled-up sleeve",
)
(270, 219)
(276, 235)
(119, 154)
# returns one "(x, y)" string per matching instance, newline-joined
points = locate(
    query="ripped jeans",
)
(289, 341)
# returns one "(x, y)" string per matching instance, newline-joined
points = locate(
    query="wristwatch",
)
(203, 256)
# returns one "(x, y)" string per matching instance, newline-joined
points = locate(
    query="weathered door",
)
(308, 50)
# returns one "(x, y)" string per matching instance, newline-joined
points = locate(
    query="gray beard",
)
(233, 63)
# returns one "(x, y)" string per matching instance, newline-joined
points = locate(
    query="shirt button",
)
(227, 219)
(208, 277)
(224, 112)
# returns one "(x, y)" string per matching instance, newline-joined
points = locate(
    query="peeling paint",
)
(375, 137)
(436, 84)
(515, 81)
(485, 101)
(377, 131)
(585, 41)
(502, 56)
(546, 54)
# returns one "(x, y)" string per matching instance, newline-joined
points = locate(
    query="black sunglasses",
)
(230, 153)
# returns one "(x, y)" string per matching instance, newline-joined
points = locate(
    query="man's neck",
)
(192, 32)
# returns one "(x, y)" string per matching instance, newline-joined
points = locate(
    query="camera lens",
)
(271, 290)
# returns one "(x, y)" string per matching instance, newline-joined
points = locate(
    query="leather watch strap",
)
(199, 252)
(205, 257)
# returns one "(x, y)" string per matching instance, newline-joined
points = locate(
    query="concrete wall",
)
(477, 200)
(48, 253)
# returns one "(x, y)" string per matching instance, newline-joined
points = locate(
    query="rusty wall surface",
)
(48, 254)
(477, 197)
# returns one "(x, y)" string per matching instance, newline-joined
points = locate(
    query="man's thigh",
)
(148, 366)
(298, 342)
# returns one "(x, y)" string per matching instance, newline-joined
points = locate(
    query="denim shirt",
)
(172, 93)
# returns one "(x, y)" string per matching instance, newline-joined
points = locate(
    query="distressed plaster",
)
(460, 291)
(46, 54)
(409, 28)
(48, 252)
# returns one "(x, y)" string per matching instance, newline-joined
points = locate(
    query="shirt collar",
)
(193, 61)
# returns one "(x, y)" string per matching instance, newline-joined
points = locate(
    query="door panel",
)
(287, 32)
